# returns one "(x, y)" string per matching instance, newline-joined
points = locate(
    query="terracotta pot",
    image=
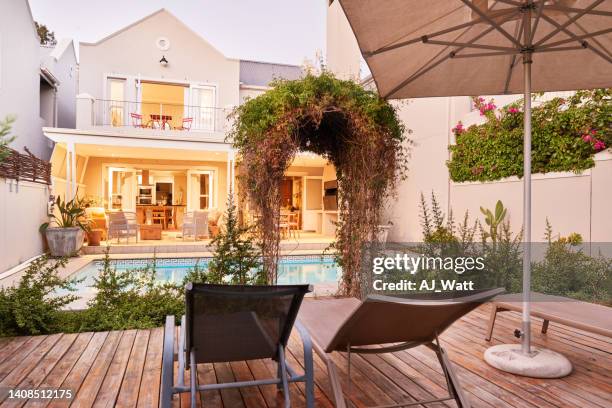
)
(94, 237)
(64, 241)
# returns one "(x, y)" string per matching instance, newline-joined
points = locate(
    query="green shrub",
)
(5, 138)
(567, 271)
(33, 307)
(235, 258)
(130, 299)
(565, 135)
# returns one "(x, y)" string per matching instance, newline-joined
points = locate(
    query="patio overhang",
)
(116, 145)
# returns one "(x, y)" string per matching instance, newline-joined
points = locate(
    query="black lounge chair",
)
(224, 323)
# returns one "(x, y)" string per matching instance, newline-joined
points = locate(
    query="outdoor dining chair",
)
(195, 223)
(186, 124)
(225, 323)
(122, 224)
(137, 120)
(385, 324)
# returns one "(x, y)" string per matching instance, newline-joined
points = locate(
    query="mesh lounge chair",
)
(397, 324)
(224, 323)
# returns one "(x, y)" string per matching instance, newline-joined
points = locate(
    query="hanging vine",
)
(353, 128)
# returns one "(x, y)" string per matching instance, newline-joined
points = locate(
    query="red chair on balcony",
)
(137, 120)
(187, 122)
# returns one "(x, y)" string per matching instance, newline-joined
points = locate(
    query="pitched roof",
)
(258, 73)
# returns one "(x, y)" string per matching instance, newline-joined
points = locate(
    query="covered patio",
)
(164, 178)
(123, 369)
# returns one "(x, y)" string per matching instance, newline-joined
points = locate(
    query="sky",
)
(282, 31)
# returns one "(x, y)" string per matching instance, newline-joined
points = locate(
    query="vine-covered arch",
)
(353, 128)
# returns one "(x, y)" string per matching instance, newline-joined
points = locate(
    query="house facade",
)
(152, 125)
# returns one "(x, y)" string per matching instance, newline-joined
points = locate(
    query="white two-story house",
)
(152, 122)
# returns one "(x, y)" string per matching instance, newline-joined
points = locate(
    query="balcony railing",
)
(161, 116)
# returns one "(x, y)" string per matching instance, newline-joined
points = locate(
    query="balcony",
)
(147, 119)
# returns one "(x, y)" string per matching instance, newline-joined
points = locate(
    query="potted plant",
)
(65, 237)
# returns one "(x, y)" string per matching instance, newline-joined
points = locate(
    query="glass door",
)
(312, 204)
(203, 107)
(115, 113)
(122, 189)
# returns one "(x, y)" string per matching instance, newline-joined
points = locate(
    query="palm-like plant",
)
(71, 214)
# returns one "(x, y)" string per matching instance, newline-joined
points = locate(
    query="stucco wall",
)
(22, 209)
(133, 51)
(20, 78)
(572, 202)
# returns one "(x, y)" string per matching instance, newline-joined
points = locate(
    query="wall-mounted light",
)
(163, 61)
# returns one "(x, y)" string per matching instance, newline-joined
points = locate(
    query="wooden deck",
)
(123, 369)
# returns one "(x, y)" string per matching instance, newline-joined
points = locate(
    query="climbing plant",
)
(353, 128)
(566, 133)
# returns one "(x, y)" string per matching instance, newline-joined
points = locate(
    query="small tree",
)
(5, 138)
(47, 37)
(235, 256)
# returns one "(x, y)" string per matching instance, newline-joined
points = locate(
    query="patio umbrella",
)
(425, 48)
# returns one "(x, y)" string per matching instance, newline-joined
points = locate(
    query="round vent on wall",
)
(162, 43)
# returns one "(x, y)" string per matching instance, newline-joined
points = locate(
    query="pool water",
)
(312, 269)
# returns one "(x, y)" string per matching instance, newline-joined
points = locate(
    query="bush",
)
(130, 299)
(235, 258)
(33, 307)
(565, 135)
(567, 271)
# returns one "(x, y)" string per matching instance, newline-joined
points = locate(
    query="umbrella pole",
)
(526, 335)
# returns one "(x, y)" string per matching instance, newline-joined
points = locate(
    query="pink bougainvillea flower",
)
(513, 109)
(599, 145)
(587, 138)
(458, 129)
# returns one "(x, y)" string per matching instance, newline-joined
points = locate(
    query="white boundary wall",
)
(23, 207)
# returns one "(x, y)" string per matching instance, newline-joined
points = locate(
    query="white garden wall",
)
(23, 207)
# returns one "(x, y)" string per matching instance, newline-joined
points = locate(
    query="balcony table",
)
(164, 119)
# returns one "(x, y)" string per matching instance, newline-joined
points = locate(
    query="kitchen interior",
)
(313, 201)
(159, 197)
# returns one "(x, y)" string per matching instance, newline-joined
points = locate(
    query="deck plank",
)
(58, 374)
(211, 398)
(88, 378)
(251, 396)
(109, 390)
(123, 369)
(148, 395)
(128, 393)
(19, 354)
(33, 369)
(25, 366)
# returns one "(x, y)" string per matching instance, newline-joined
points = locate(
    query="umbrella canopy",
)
(420, 48)
(425, 48)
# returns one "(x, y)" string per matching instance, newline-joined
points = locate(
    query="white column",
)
(71, 181)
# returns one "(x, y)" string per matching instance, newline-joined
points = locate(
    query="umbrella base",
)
(541, 363)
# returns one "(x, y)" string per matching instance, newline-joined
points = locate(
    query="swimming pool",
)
(312, 269)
